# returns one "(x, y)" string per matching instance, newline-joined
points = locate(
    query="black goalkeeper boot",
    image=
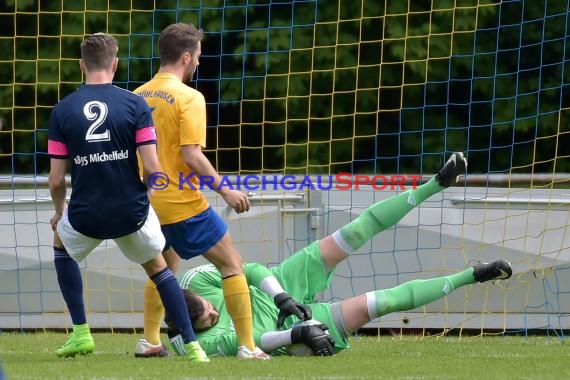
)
(497, 270)
(455, 166)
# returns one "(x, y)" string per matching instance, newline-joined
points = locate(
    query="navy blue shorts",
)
(196, 235)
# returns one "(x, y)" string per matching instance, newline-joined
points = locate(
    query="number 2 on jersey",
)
(96, 111)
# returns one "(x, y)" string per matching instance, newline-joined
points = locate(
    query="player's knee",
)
(231, 269)
(226, 258)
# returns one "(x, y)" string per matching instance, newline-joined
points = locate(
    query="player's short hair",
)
(195, 310)
(98, 51)
(177, 39)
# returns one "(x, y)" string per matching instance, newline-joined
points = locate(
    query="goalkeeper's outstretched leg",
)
(355, 312)
(387, 213)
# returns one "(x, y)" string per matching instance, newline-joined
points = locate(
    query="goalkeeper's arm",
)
(314, 336)
(261, 277)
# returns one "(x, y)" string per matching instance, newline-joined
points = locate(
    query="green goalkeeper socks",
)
(383, 215)
(413, 294)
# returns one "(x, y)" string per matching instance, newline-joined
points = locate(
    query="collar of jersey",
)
(165, 76)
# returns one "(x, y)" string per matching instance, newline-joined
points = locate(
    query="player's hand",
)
(314, 336)
(54, 221)
(237, 200)
(288, 306)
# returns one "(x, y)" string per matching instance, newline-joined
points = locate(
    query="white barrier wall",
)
(450, 231)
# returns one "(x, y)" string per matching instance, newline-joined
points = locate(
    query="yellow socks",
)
(238, 303)
(153, 313)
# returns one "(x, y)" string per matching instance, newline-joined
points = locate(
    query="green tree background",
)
(318, 86)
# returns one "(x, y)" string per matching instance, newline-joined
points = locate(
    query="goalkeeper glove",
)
(314, 336)
(288, 306)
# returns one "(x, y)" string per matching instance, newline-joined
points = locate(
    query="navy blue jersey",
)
(98, 128)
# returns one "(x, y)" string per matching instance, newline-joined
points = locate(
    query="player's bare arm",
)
(58, 168)
(149, 159)
(195, 158)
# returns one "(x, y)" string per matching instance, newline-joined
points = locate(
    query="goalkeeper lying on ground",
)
(288, 290)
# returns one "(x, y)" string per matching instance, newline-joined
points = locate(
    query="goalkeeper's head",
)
(203, 314)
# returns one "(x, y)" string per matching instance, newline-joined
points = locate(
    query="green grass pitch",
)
(31, 356)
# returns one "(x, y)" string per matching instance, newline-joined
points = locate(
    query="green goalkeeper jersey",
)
(302, 275)
(221, 340)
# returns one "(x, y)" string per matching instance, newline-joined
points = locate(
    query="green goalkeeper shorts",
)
(303, 276)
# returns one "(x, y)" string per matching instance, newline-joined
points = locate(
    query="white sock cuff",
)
(178, 345)
(371, 305)
(339, 240)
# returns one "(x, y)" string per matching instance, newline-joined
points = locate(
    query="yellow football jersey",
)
(179, 114)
